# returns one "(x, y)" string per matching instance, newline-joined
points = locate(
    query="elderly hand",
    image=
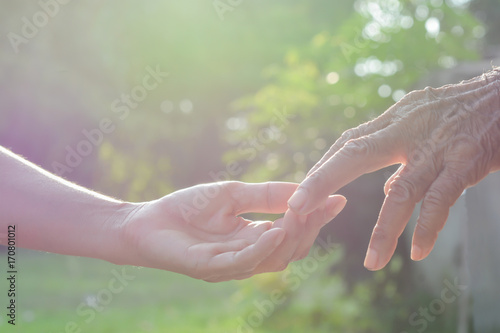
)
(198, 231)
(446, 139)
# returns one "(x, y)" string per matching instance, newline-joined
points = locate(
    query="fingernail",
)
(416, 253)
(298, 200)
(371, 259)
(339, 207)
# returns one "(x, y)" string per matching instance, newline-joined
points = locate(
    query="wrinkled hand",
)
(446, 139)
(198, 231)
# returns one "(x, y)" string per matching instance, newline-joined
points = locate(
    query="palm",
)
(197, 238)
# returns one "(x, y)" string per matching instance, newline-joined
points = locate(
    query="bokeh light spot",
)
(236, 123)
(406, 22)
(384, 91)
(398, 94)
(186, 106)
(447, 62)
(421, 12)
(332, 78)
(432, 26)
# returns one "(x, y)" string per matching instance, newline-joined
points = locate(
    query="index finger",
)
(367, 128)
(409, 102)
(269, 197)
(355, 158)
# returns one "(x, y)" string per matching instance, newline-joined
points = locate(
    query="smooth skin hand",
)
(446, 140)
(197, 231)
(213, 242)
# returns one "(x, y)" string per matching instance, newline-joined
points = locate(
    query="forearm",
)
(51, 214)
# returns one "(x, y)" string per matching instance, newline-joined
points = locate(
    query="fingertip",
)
(336, 204)
(253, 255)
(371, 259)
(416, 253)
(419, 253)
(276, 235)
(298, 200)
(423, 241)
(337, 198)
(376, 259)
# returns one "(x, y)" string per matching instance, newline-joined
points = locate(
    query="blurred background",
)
(190, 89)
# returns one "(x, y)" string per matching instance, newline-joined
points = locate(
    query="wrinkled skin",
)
(198, 231)
(446, 140)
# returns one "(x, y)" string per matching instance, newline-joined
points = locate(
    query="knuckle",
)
(356, 147)
(436, 198)
(457, 184)
(469, 164)
(451, 187)
(232, 187)
(381, 233)
(427, 230)
(432, 217)
(403, 190)
(200, 274)
(465, 148)
(349, 134)
(430, 93)
(389, 181)
(425, 227)
(316, 179)
(233, 191)
(414, 95)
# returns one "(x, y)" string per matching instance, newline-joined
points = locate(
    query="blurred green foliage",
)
(54, 287)
(349, 74)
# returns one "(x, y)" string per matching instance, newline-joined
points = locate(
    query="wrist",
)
(145, 236)
(116, 247)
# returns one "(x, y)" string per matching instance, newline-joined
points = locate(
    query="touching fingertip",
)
(338, 205)
(298, 201)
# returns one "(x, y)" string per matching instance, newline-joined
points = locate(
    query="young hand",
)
(199, 232)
